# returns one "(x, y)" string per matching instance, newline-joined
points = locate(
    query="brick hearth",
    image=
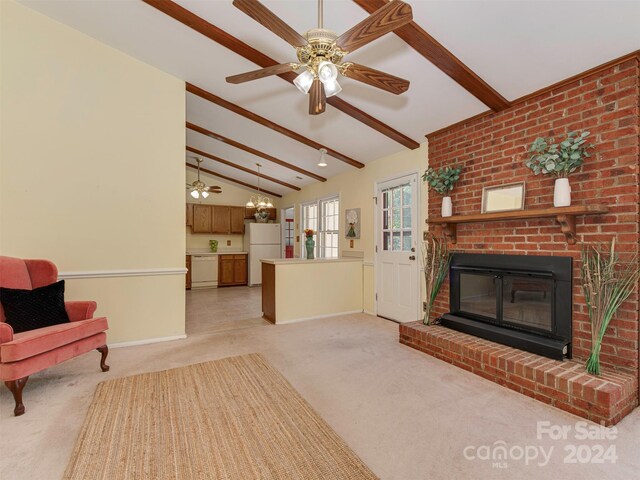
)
(564, 384)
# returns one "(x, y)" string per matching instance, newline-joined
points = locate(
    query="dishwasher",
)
(204, 271)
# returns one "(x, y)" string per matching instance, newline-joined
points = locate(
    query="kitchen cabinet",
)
(189, 214)
(220, 219)
(236, 221)
(201, 219)
(232, 269)
(188, 276)
(250, 212)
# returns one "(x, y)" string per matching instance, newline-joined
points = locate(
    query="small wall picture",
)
(352, 223)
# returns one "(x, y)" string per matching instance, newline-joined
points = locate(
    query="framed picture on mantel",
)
(503, 198)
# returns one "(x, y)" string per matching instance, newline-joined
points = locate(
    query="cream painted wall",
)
(92, 149)
(231, 195)
(357, 189)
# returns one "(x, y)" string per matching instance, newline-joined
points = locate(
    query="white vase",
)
(562, 193)
(447, 207)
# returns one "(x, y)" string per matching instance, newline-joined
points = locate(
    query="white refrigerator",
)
(261, 240)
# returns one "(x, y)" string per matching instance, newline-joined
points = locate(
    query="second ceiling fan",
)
(320, 51)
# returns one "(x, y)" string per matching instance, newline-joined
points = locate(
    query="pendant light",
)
(323, 160)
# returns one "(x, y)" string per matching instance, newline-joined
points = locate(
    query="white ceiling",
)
(515, 46)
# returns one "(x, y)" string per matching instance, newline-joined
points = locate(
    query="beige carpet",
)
(235, 418)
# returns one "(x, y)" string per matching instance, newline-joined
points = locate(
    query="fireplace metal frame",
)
(555, 344)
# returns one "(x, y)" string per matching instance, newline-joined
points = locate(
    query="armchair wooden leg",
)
(16, 387)
(104, 350)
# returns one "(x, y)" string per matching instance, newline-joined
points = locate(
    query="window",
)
(396, 218)
(323, 217)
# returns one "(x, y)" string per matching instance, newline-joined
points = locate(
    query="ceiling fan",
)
(198, 187)
(320, 51)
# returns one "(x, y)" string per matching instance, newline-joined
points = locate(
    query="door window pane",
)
(396, 197)
(406, 217)
(406, 241)
(397, 218)
(406, 195)
(396, 241)
(396, 225)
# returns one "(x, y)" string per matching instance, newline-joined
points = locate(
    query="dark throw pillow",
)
(31, 309)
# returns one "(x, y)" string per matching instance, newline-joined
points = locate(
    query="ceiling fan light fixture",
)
(323, 161)
(304, 81)
(205, 194)
(327, 72)
(195, 194)
(331, 88)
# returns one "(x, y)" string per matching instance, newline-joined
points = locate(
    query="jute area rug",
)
(235, 418)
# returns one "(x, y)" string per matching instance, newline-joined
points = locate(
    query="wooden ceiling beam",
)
(269, 124)
(432, 50)
(240, 167)
(229, 179)
(236, 45)
(246, 148)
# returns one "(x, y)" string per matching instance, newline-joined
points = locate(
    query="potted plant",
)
(309, 242)
(436, 257)
(442, 181)
(560, 160)
(606, 283)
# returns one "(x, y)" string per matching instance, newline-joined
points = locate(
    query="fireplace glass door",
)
(527, 302)
(523, 302)
(479, 294)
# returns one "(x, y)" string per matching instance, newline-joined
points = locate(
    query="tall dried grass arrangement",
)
(436, 257)
(607, 283)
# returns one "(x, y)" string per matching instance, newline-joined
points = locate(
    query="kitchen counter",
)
(295, 261)
(209, 252)
(295, 289)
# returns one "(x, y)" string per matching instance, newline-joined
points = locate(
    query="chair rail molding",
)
(146, 272)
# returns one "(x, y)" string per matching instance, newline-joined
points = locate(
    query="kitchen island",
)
(298, 289)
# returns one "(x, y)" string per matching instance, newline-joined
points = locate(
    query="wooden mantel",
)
(565, 216)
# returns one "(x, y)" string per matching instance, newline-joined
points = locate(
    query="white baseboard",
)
(369, 313)
(147, 341)
(295, 320)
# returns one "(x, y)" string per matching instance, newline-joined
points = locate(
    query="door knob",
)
(412, 257)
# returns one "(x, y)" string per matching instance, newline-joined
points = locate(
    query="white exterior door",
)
(397, 285)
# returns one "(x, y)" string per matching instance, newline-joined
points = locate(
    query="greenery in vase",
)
(559, 159)
(437, 257)
(442, 180)
(606, 283)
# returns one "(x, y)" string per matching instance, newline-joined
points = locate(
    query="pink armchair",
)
(23, 354)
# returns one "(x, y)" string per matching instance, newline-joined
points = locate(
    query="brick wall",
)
(492, 150)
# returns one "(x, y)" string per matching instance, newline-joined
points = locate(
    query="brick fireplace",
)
(492, 148)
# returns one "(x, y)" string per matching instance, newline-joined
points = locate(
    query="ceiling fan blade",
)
(268, 19)
(375, 78)
(263, 72)
(384, 20)
(317, 98)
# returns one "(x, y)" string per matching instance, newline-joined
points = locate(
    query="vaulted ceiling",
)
(461, 57)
